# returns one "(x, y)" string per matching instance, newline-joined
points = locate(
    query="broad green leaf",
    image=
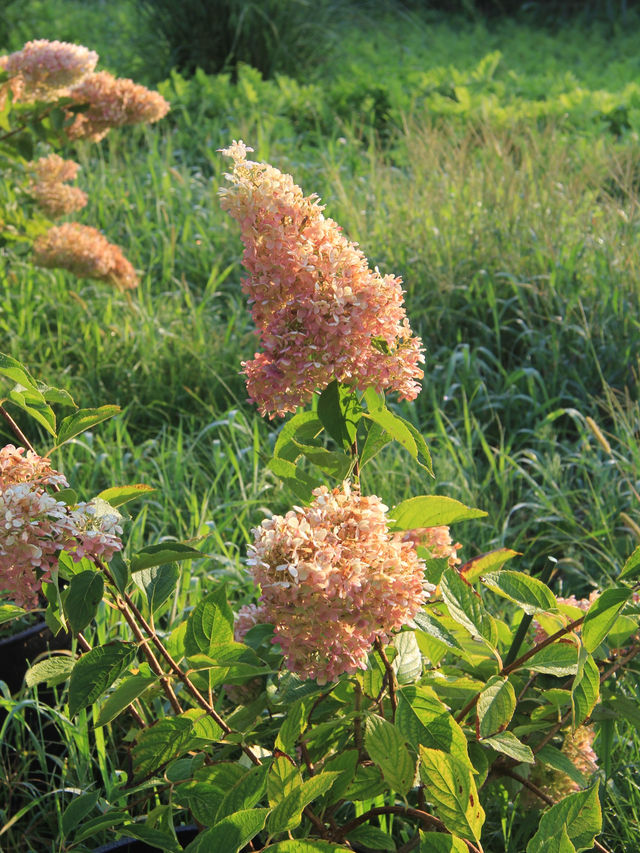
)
(631, 568)
(53, 670)
(245, 793)
(373, 838)
(151, 836)
(430, 625)
(96, 671)
(439, 842)
(579, 814)
(77, 810)
(158, 582)
(451, 788)
(9, 612)
(119, 495)
(495, 707)
(425, 721)
(83, 420)
(67, 496)
(160, 743)
(206, 730)
(602, 615)
(556, 659)
(120, 571)
(303, 845)
(407, 664)
(528, 593)
(302, 427)
(108, 820)
(367, 784)
(18, 373)
(431, 511)
(553, 757)
(129, 689)
(29, 402)
(81, 599)
(398, 429)
(338, 411)
(231, 834)
(343, 763)
(300, 482)
(491, 561)
(386, 748)
(508, 744)
(210, 624)
(287, 815)
(376, 438)
(284, 777)
(167, 552)
(294, 724)
(466, 608)
(585, 690)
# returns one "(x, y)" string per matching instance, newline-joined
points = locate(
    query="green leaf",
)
(287, 815)
(439, 842)
(231, 834)
(430, 625)
(553, 757)
(386, 748)
(284, 777)
(425, 721)
(83, 420)
(158, 555)
(77, 810)
(108, 820)
(508, 744)
(28, 401)
(375, 439)
(556, 659)
(407, 664)
(294, 724)
(10, 611)
(528, 593)
(120, 571)
(245, 793)
(151, 836)
(129, 689)
(210, 624)
(367, 784)
(631, 568)
(451, 788)
(160, 743)
(119, 495)
(81, 599)
(476, 566)
(18, 373)
(158, 583)
(303, 845)
(343, 763)
(495, 707)
(95, 671)
(579, 814)
(53, 670)
(431, 511)
(602, 615)
(585, 690)
(370, 836)
(337, 410)
(466, 608)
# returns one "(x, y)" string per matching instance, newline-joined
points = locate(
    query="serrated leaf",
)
(77, 810)
(284, 777)
(376, 438)
(585, 691)
(119, 495)
(151, 836)
(160, 743)
(431, 511)
(372, 837)
(96, 671)
(81, 599)
(386, 747)
(579, 814)
(631, 568)
(53, 670)
(40, 412)
(10, 611)
(18, 373)
(451, 788)
(210, 624)
(129, 689)
(556, 659)
(602, 615)
(293, 726)
(398, 429)
(407, 664)
(466, 608)
(490, 561)
(287, 815)
(231, 834)
(440, 842)
(108, 820)
(508, 744)
(245, 793)
(425, 721)
(495, 707)
(432, 626)
(528, 593)
(343, 763)
(83, 420)
(337, 410)
(158, 583)
(303, 845)
(120, 572)
(158, 555)
(553, 757)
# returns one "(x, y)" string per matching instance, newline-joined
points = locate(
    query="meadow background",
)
(490, 159)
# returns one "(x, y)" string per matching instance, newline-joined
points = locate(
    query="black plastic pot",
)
(185, 835)
(18, 651)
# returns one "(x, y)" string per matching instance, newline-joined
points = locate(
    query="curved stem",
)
(390, 677)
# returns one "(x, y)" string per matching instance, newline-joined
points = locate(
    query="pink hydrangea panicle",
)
(47, 69)
(18, 465)
(321, 313)
(437, 540)
(86, 253)
(113, 102)
(333, 580)
(247, 617)
(52, 195)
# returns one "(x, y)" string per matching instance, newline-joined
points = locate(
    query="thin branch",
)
(390, 677)
(22, 438)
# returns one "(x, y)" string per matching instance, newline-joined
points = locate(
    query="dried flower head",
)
(437, 540)
(320, 312)
(47, 69)
(113, 102)
(18, 465)
(54, 169)
(578, 747)
(333, 580)
(85, 252)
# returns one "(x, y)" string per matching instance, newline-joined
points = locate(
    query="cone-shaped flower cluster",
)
(321, 312)
(52, 195)
(48, 69)
(333, 580)
(113, 102)
(35, 527)
(85, 252)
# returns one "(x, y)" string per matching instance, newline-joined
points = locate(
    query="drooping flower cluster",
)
(333, 580)
(85, 252)
(437, 540)
(52, 195)
(113, 102)
(48, 69)
(320, 312)
(35, 527)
